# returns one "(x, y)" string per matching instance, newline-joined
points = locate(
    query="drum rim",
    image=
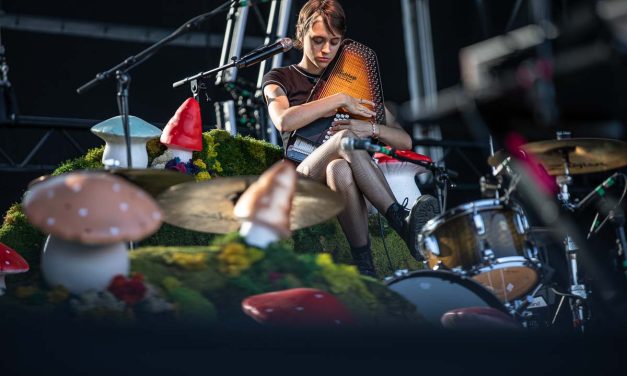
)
(476, 287)
(467, 208)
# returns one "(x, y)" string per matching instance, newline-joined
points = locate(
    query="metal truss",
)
(108, 31)
(44, 127)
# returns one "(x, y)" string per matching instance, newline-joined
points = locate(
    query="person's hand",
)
(361, 128)
(358, 106)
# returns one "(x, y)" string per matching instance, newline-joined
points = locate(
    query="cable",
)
(620, 200)
(385, 247)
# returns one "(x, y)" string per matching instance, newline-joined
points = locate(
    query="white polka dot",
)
(123, 206)
(83, 212)
(7, 263)
(6, 251)
(156, 215)
(50, 221)
(299, 308)
(269, 310)
(50, 194)
(319, 296)
(141, 194)
(117, 187)
(114, 230)
(76, 188)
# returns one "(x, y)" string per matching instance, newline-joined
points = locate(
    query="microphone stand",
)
(123, 78)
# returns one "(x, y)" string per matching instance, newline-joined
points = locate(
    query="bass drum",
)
(435, 292)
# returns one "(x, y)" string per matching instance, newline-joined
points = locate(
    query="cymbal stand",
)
(576, 288)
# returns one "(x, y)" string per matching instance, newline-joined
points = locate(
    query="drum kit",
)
(482, 253)
(485, 253)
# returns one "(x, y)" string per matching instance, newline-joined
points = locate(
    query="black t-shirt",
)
(295, 82)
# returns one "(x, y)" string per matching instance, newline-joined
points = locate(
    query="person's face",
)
(320, 45)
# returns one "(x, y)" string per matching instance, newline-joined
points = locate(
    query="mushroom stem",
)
(183, 154)
(257, 234)
(3, 285)
(80, 267)
(115, 152)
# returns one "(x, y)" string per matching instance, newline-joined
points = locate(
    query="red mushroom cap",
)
(384, 158)
(304, 307)
(11, 261)
(184, 130)
(478, 318)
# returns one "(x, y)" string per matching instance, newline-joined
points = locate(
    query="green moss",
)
(243, 155)
(192, 305)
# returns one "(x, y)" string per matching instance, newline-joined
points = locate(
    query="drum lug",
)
(440, 266)
(479, 225)
(488, 255)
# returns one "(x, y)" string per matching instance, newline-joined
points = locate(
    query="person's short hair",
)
(332, 14)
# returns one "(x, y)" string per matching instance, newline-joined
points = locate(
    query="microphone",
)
(598, 192)
(351, 143)
(264, 52)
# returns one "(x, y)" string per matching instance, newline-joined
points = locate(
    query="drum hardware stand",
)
(577, 289)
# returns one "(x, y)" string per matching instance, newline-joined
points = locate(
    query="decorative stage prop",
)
(112, 132)
(183, 133)
(206, 281)
(10, 263)
(90, 216)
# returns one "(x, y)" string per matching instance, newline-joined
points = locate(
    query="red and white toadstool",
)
(10, 263)
(266, 205)
(183, 133)
(299, 307)
(90, 216)
(400, 174)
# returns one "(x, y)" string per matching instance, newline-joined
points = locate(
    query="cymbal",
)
(153, 180)
(585, 155)
(207, 206)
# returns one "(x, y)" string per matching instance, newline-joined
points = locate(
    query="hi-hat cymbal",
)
(208, 206)
(584, 155)
(153, 180)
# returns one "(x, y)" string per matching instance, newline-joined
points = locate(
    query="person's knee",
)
(339, 174)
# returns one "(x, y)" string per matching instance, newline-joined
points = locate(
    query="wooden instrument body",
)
(354, 71)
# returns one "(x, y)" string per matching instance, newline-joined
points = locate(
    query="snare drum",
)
(435, 293)
(486, 240)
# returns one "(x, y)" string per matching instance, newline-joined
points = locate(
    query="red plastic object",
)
(299, 307)
(184, 130)
(384, 158)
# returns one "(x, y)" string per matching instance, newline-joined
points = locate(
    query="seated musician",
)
(352, 173)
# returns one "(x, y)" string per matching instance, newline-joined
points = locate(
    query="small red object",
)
(10, 263)
(384, 158)
(184, 130)
(298, 307)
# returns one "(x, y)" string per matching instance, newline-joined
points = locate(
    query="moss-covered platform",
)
(196, 275)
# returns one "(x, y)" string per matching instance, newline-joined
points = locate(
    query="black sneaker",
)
(363, 260)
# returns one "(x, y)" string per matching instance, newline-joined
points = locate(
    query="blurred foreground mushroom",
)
(299, 307)
(183, 133)
(90, 216)
(266, 205)
(112, 132)
(10, 263)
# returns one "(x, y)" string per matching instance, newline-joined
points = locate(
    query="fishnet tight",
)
(354, 175)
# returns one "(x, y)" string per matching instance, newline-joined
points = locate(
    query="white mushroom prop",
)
(266, 205)
(183, 133)
(90, 216)
(400, 175)
(10, 263)
(112, 132)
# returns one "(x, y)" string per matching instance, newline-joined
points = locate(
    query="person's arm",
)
(287, 119)
(391, 134)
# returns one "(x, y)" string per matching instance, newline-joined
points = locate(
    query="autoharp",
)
(354, 71)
